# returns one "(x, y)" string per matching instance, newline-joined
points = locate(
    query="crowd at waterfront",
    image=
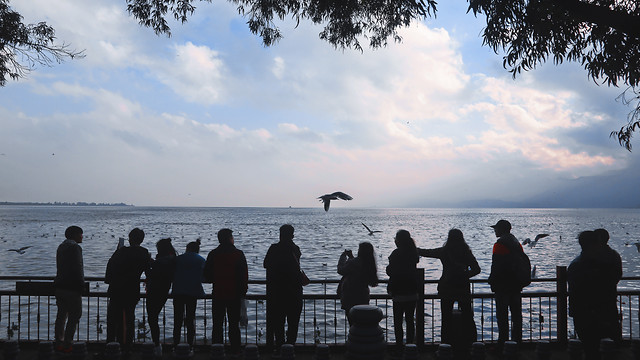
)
(226, 268)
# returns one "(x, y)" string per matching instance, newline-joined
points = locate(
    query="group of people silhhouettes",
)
(592, 279)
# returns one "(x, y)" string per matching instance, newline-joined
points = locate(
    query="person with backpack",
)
(458, 266)
(509, 275)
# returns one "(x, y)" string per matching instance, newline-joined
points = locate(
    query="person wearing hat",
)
(504, 283)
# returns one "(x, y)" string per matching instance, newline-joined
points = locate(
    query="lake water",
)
(322, 236)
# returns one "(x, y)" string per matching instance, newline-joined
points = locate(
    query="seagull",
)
(326, 198)
(21, 250)
(533, 272)
(535, 240)
(371, 232)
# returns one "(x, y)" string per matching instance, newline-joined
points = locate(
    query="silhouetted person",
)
(592, 277)
(284, 288)
(358, 273)
(458, 266)
(159, 279)
(123, 273)
(505, 284)
(403, 286)
(226, 268)
(69, 286)
(187, 289)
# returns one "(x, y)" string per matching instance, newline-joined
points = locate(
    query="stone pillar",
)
(112, 351)
(251, 352)
(366, 338)
(477, 351)
(575, 349)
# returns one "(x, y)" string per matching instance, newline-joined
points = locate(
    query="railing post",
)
(561, 311)
(420, 308)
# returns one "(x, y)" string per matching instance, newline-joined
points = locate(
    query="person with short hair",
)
(284, 288)
(69, 286)
(226, 268)
(187, 289)
(504, 283)
(124, 269)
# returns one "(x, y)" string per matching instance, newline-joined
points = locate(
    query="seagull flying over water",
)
(326, 198)
(21, 250)
(535, 240)
(371, 232)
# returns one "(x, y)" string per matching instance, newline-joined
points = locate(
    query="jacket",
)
(355, 286)
(188, 276)
(283, 270)
(226, 268)
(402, 273)
(124, 269)
(456, 271)
(503, 264)
(160, 275)
(69, 267)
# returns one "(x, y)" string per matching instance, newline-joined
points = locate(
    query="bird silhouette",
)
(371, 232)
(533, 242)
(21, 250)
(326, 198)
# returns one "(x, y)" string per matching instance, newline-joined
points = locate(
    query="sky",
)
(211, 117)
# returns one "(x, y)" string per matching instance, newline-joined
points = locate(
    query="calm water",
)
(321, 237)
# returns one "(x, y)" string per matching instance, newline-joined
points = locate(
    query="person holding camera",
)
(358, 273)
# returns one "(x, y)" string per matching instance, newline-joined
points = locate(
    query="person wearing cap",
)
(504, 283)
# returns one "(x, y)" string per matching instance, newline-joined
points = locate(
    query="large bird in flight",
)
(21, 250)
(326, 198)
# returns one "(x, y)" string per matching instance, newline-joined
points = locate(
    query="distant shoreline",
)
(57, 203)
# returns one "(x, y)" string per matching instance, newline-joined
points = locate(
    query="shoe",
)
(157, 351)
(64, 349)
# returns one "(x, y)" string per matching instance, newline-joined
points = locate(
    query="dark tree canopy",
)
(23, 46)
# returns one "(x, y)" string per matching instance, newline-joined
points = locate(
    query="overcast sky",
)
(210, 117)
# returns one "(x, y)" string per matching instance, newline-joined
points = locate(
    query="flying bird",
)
(21, 250)
(533, 242)
(371, 232)
(326, 198)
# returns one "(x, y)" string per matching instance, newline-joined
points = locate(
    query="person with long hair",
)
(358, 273)
(158, 284)
(403, 286)
(458, 266)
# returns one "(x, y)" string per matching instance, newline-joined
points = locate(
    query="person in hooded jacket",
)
(403, 286)
(158, 284)
(458, 266)
(226, 268)
(186, 290)
(123, 273)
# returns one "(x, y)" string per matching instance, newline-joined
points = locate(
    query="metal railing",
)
(30, 315)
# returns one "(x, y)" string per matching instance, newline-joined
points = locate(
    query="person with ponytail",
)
(358, 273)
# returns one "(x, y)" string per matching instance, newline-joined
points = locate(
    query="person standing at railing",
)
(593, 277)
(124, 269)
(358, 273)
(284, 289)
(226, 268)
(69, 286)
(158, 284)
(505, 283)
(458, 266)
(187, 289)
(403, 286)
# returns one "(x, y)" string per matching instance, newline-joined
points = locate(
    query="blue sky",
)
(210, 117)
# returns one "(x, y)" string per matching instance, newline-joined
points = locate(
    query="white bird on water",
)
(371, 232)
(21, 250)
(326, 198)
(535, 241)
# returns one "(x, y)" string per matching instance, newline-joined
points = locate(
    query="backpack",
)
(522, 268)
